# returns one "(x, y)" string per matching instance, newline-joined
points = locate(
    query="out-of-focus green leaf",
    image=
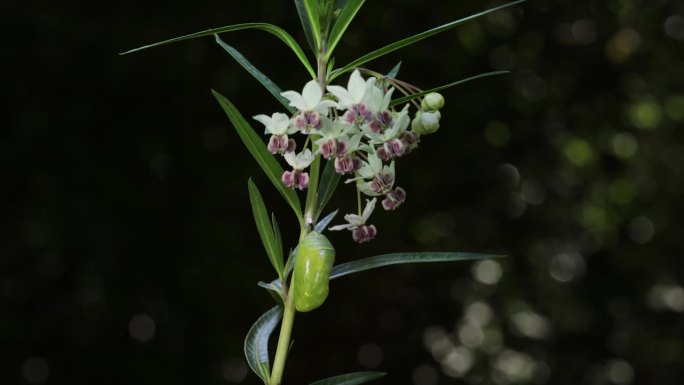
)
(422, 93)
(265, 228)
(258, 75)
(270, 28)
(401, 258)
(413, 39)
(343, 20)
(277, 235)
(257, 148)
(256, 342)
(350, 378)
(326, 188)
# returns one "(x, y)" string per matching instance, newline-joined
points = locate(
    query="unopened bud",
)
(432, 102)
(426, 122)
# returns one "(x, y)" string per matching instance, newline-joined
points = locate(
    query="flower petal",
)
(312, 94)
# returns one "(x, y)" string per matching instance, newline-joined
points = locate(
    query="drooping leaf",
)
(270, 28)
(419, 94)
(257, 148)
(401, 258)
(256, 342)
(265, 228)
(413, 39)
(343, 20)
(323, 223)
(326, 188)
(258, 75)
(350, 378)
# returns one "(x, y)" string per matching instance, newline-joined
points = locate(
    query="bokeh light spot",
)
(370, 355)
(579, 152)
(624, 145)
(497, 134)
(487, 272)
(142, 327)
(645, 114)
(641, 230)
(425, 375)
(35, 370)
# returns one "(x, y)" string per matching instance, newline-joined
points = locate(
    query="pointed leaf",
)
(401, 258)
(350, 378)
(256, 342)
(343, 20)
(323, 223)
(413, 39)
(270, 28)
(263, 79)
(422, 93)
(394, 71)
(264, 227)
(326, 188)
(258, 150)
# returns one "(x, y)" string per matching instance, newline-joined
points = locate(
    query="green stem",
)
(284, 339)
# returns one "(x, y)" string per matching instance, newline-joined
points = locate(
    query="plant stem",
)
(284, 339)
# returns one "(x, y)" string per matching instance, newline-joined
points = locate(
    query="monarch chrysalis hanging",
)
(315, 257)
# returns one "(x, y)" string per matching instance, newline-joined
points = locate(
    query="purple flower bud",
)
(291, 145)
(412, 139)
(280, 144)
(364, 233)
(273, 144)
(333, 148)
(296, 179)
(347, 164)
(394, 198)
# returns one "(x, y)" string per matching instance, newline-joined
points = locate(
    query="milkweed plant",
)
(326, 133)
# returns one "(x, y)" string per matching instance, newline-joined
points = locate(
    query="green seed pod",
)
(314, 260)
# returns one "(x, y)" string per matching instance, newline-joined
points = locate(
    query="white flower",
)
(277, 124)
(354, 93)
(354, 221)
(310, 99)
(375, 99)
(299, 161)
(400, 123)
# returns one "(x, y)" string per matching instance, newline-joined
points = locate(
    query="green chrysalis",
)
(314, 260)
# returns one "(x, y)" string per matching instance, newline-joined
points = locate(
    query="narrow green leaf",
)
(323, 223)
(312, 193)
(326, 188)
(306, 24)
(256, 342)
(419, 94)
(258, 75)
(350, 378)
(413, 39)
(400, 258)
(257, 148)
(394, 71)
(278, 237)
(289, 265)
(270, 28)
(343, 20)
(263, 225)
(312, 12)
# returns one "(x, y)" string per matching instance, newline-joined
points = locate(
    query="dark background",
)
(128, 253)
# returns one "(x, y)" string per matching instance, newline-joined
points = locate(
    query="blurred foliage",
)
(128, 253)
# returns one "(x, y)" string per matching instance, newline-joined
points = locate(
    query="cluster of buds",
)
(357, 129)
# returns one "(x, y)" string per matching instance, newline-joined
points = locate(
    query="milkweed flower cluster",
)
(359, 130)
